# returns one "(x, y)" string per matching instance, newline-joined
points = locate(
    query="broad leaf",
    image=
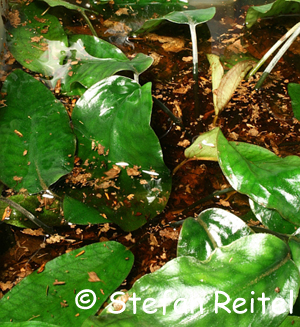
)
(66, 4)
(190, 17)
(27, 324)
(269, 180)
(272, 219)
(30, 39)
(204, 147)
(291, 321)
(294, 93)
(99, 267)
(79, 213)
(123, 172)
(190, 292)
(279, 7)
(213, 228)
(35, 135)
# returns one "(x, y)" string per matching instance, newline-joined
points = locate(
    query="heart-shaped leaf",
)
(267, 179)
(30, 39)
(272, 219)
(213, 228)
(190, 17)
(95, 270)
(123, 173)
(35, 135)
(228, 289)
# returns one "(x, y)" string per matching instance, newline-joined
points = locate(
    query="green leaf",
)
(125, 175)
(55, 303)
(250, 267)
(35, 135)
(29, 40)
(27, 324)
(204, 147)
(291, 321)
(294, 244)
(270, 181)
(49, 213)
(294, 93)
(68, 5)
(276, 8)
(213, 228)
(190, 17)
(272, 219)
(79, 213)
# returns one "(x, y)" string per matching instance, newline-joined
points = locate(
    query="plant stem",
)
(274, 47)
(27, 214)
(88, 22)
(195, 51)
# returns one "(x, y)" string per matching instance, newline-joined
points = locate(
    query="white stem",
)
(136, 77)
(274, 48)
(279, 54)
(195, 48)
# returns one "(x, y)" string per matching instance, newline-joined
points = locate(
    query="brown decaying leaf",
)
(93, 277)
(230, 82)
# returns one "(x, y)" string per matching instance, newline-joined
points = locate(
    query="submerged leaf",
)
(55, 293)
(36, 139)
(229, 83)
(189, 292)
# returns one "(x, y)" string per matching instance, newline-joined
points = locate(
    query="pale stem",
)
(195, 51)
(274, 48)
(280, 53)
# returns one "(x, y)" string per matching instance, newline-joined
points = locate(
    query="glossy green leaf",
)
(49, 214)
(213, 228)
(27, 324)
(55, 303)
(250, 267)
(79, 213)
(204, 147)
(66, 4)
(276, 8)
(291, 321)
(36, 139)
(126, 178)
(294, 244)
(269, 180)
(29, 40)
(190, 17)
(272, 219)
(294, 93)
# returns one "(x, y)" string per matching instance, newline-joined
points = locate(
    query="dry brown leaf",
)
(93, 277)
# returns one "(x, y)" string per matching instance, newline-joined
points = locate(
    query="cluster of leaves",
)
(218, 254)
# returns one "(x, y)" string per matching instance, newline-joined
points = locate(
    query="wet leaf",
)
(53, 292)
(271, 181)
(229, 83)
(217, 73)
(213, 228)
(124, 175)
(276, 8)
(257, 263)
(204, 147)
(271, 219)
(35, 135)
(46, 210)
(79, 213)
(294, 93)
(190, 17)
(29, 40)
